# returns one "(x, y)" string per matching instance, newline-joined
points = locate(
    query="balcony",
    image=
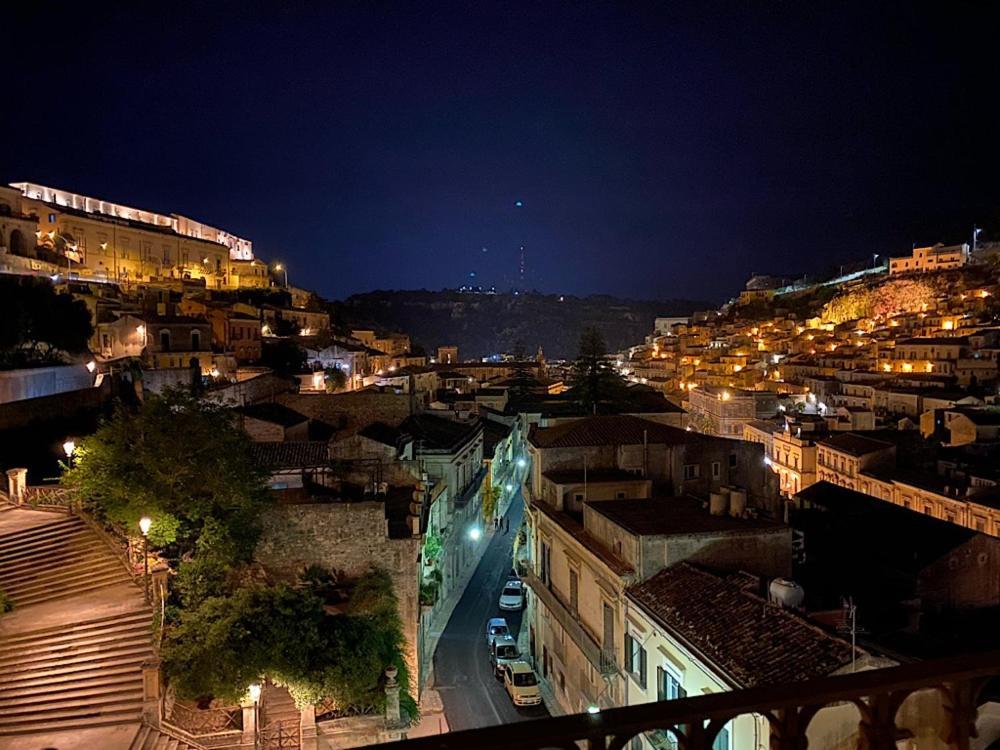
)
(695, 722)
(602, 659)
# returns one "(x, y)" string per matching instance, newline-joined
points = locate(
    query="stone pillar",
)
(307, 728)
(17, 485)
(151, 692)
(250, 714)
(393, 718)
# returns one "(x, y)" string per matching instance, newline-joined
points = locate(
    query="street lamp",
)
(475, 533)
(144, 523)
(254, 691)
(281, 267)
(69, 447)
(521, 463)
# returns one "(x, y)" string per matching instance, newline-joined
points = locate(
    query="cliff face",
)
(484, 324)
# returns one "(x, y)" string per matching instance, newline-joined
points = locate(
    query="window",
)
(574, 591)
(691, 471)
(716, 470)
(195, 340)
(635, 660)
(732, 460)
(165, 341)
(668, 685)
(52, 218)
(619, 495)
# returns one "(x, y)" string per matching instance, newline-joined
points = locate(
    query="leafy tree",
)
(592, 379)
(227, 642)
(336, 379)
(489, 499)
(283, 356)
(37, 324)
(185, 464)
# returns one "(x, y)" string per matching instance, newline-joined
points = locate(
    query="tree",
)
(185, 464)
(592, 379)
(336, 379)
(283, 356)
(38, 325)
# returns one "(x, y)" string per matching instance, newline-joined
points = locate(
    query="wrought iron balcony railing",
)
(788, 709)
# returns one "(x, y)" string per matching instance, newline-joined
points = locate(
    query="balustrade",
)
(694, 723)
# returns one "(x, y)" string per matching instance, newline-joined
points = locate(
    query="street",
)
(472, 696)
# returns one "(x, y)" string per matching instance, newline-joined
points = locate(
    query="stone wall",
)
(351, 537)
(37, 382)
(28, 412)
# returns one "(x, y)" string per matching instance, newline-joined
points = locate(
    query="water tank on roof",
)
(718, 502)
(786, 593)
(737, 502)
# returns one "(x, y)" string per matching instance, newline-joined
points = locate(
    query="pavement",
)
(472, 697)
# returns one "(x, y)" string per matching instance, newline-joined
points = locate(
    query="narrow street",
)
(472, 696)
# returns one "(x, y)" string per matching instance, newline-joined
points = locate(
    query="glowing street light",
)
(284, 269)
(69, 447)
(144, 525)
(521, 463)
(475, 534)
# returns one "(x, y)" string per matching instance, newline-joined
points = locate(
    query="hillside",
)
(484, 324)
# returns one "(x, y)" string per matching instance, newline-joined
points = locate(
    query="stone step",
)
(110, 679)
(85, 693)
(68, 647)
(45, 546)
(45, 596)
(70, 630)
(81, 717)
(55, 644)
(64, 578)
(41, 535)
(57, 555)
(40, 672)
(56, 522)
(82, 652)
(123, 669)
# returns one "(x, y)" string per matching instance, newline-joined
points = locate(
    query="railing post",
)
(877, 730)
(17, 485)
(393, 716)
(959, 701)
(151, 692)
(308, 734)
(249, 738)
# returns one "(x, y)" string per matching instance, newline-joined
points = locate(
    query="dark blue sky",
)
(659, 150)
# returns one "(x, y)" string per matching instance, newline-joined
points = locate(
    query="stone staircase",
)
(280, 719)
(76, 676)
(71, 652)
(148, 738)
(53, 560)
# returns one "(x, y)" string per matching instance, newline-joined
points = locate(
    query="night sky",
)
(659, 150)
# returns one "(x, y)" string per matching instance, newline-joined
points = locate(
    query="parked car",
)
(521, 684)
(512, 596)
(503, 652)
(496, 626)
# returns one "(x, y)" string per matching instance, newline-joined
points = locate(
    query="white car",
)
(512, 596)
(496, 627)
(521, 684)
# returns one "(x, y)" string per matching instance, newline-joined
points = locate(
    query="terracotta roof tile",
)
(750, 641)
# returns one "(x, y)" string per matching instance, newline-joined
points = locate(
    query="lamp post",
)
(284, 269)
(69, 447)
(254, 691)
(144, 523)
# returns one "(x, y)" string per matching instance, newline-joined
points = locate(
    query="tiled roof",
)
(739, 633)
(290, 455)
(854, 444)
(439, 433)
(381, 432)
(608, 430)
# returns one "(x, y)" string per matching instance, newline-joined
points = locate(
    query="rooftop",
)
(575, 476)
(675, 516)
(751, 642)
(608, 430)
(439, 433)
(854, 444)
(273, 413)
(290, 455)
